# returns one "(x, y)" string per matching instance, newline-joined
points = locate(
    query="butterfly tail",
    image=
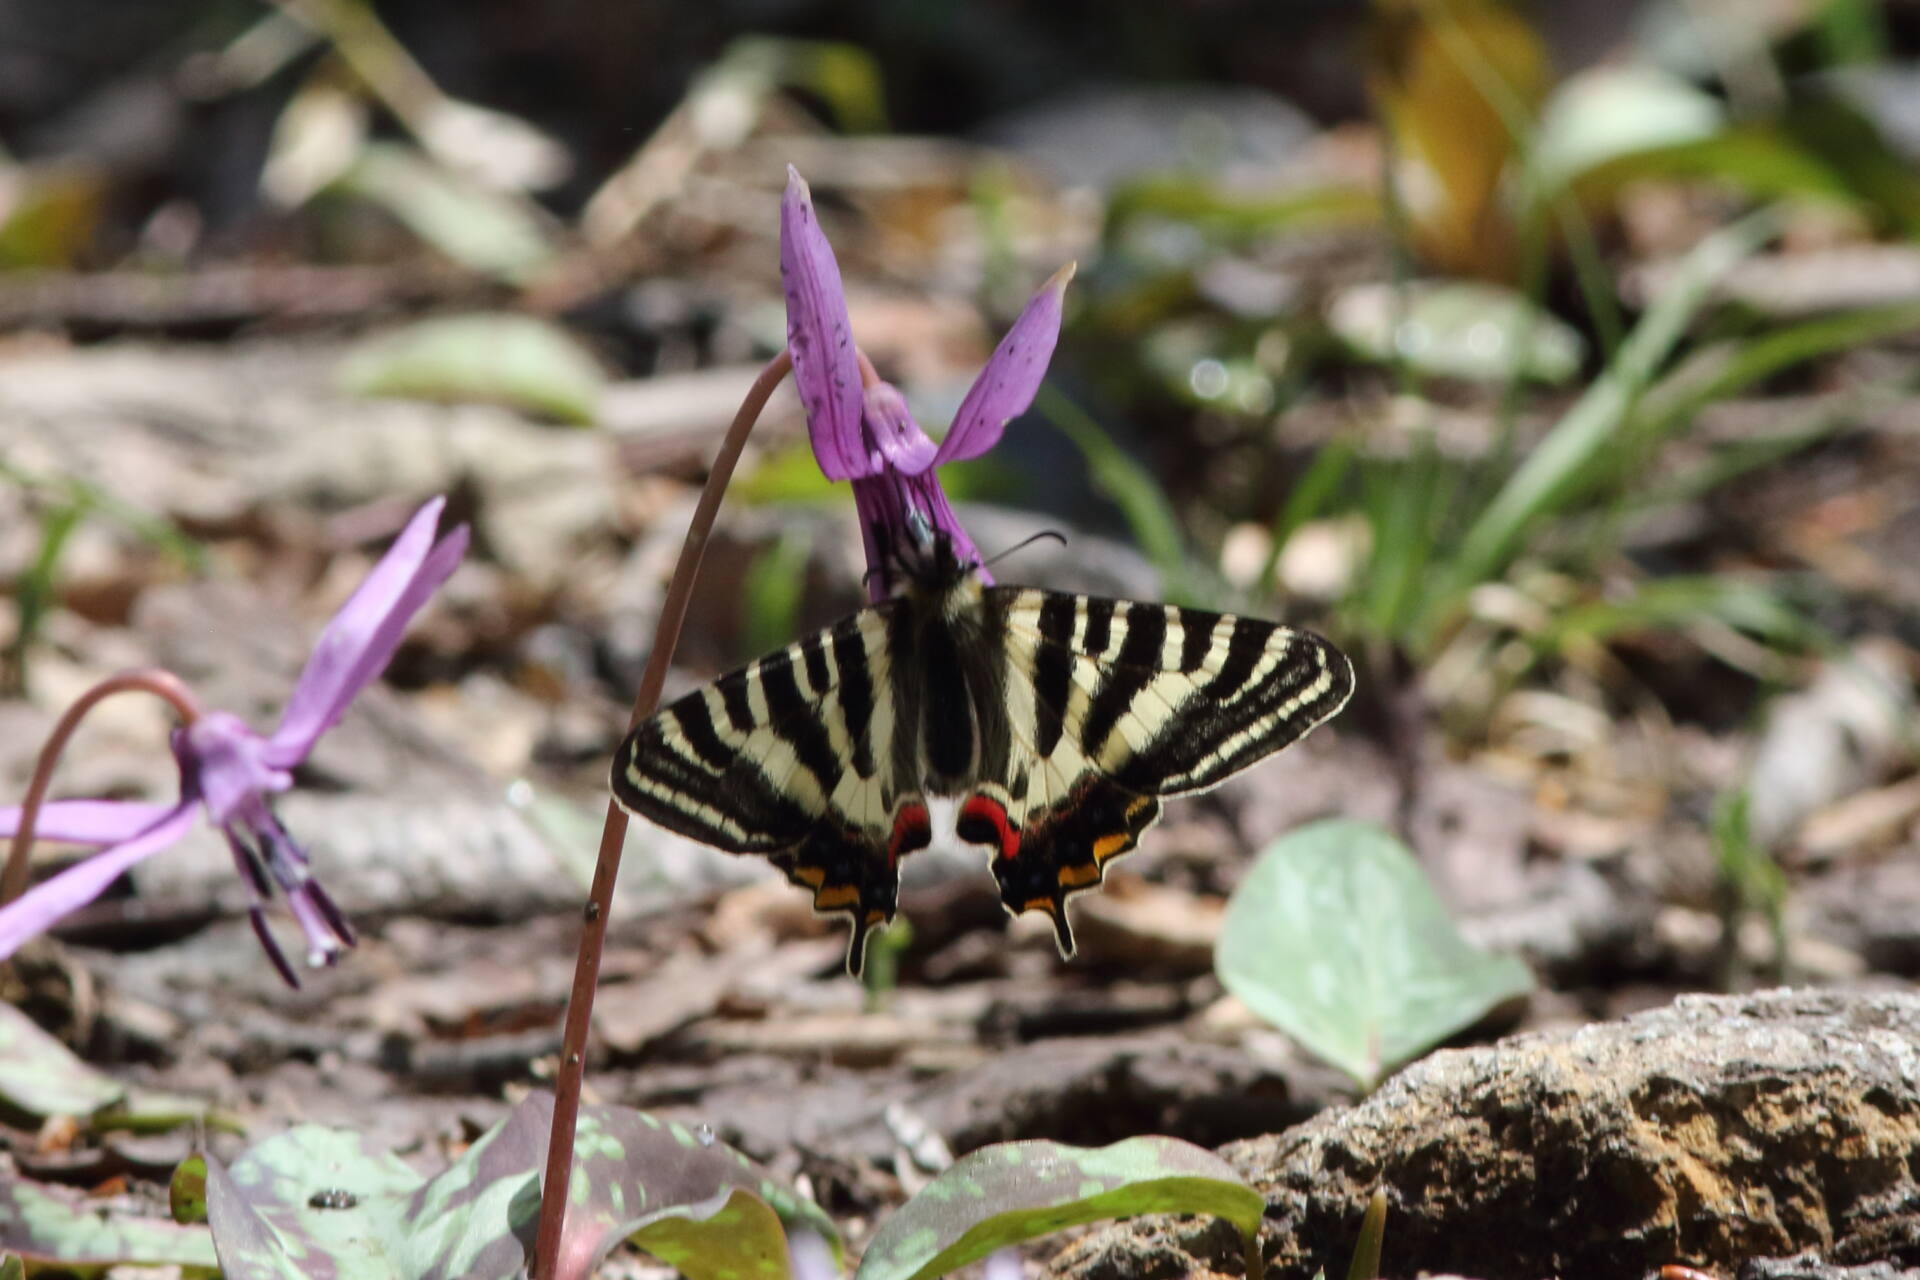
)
(1061, 850)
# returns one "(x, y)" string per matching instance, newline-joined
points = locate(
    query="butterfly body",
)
(1056, 721)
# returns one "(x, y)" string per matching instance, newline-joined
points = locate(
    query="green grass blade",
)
(1579, 447)
(1668, 603)
(149, 528)
(1310, 496)
(1130, 486)
(1827, 418)
(36, 589)
(1773, 353)
(1408, 502)
(775, 586)
(1852, 32)
(1373, 1233)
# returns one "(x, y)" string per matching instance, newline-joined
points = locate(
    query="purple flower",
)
(231, 770)
(809, 1256)
(865, 434)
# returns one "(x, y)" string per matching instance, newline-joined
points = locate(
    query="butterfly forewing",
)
(791, 756)
(1057, 720)
(1118, 703)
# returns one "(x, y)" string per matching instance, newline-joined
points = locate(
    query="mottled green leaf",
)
(39, 1076)
(1337, 938)
(324, 1203)
(57, 1230)
(11, 1267)
(740, 1238)
(632, 1171)
(1014, 1191)
(520, 361)
(312, 1202)
(1457, 329)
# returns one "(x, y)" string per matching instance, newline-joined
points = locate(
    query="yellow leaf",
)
(1453, 80)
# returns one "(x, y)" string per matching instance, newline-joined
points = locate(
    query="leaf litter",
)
(450, 808)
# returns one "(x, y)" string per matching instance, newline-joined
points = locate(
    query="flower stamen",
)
(257, 916)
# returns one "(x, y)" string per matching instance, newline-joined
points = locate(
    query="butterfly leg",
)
(1060, 850)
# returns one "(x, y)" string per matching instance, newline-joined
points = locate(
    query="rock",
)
(1709, 1133)
(1814, 1269)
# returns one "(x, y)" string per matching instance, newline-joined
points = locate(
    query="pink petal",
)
(322, 947)
(1004, 1264)
(1012, 375)
(357, 645)
(35, 911)
(876, 504)
(931, 500)
(87, 821)
(229, 761)
(890, 425)
(886, 505)
(820, 337)
(808, 1256)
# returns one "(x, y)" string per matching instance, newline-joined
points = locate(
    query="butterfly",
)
(1057, 721)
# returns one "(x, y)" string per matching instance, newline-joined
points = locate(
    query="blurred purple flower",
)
(1004, 1264)
(231, 770)
(809, 1256)
(866, 435)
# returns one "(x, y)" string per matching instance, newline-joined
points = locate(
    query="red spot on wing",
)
(912, 829)
(979, 809)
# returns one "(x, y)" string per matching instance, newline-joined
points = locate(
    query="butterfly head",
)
(926, 556)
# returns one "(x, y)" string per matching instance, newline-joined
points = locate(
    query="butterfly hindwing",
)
(1058, 850)
(1115, 703)
(792, 757)
(852, 876)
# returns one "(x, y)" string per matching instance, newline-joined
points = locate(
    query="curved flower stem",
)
(586, 971)
(154, 680)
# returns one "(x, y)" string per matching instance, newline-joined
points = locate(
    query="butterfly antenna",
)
(1055, 534)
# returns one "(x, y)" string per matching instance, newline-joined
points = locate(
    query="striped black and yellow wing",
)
(793, 757)
(1112, 704)
(1059, 721)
